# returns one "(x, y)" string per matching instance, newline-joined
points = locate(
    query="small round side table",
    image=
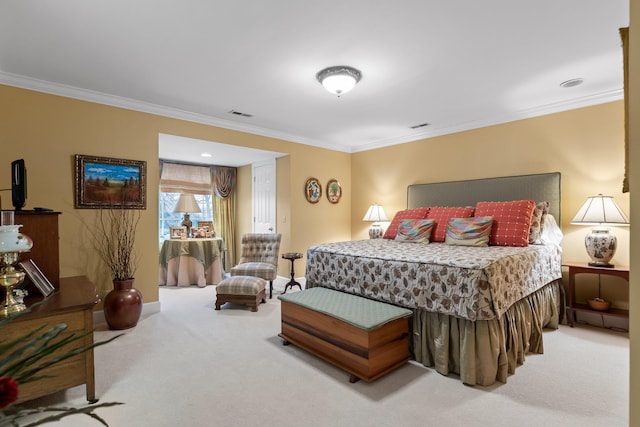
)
(292, 256)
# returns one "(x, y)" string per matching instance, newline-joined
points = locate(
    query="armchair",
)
(259, 257)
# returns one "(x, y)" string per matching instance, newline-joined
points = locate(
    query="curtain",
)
(182, 178)
(224, 209)
(624, 35)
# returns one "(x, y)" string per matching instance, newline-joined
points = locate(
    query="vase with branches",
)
(114, 240)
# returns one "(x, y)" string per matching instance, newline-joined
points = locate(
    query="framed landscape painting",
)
(104, 182)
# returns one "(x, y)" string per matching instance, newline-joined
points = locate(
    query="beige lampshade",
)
(600, 244)
(375, 213)
(187, 204)
(600, 210)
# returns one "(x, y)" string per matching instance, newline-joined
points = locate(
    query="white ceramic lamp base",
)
(375, 232)
(601, 246)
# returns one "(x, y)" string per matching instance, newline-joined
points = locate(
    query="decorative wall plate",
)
(312, 190)
(334, 191)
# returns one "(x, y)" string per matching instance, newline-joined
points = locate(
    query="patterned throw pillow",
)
(415, 213)
(442, 215)
(511, 221)
(537, 222)
(469, 231)
(414, 230)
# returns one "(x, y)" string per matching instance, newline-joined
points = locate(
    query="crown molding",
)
(433, 131)
(146, 107)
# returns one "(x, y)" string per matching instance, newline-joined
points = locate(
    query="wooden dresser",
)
(42, 227)
(72, 304)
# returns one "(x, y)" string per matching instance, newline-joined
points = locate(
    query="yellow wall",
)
(585, 145)
(47, 131)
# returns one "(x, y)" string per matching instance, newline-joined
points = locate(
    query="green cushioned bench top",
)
(360, 312)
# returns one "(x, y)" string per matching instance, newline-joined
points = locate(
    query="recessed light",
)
(572, 82)
(205, 155)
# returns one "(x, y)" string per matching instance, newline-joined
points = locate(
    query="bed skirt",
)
(485, 351)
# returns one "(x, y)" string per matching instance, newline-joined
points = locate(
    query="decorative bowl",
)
(599, 304)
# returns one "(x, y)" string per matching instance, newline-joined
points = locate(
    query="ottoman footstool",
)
(247, 290)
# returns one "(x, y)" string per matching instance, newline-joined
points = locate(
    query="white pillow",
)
(551, 233)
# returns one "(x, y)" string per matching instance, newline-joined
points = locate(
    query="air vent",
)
(238, 113)
(421, 125)
(572, 82)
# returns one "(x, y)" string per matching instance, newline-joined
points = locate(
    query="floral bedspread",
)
(475, 283)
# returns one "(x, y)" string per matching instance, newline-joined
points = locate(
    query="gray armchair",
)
(259, 257)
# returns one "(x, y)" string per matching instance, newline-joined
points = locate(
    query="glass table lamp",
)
(12, 244)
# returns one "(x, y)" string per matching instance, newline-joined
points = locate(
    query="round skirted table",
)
(292, 256)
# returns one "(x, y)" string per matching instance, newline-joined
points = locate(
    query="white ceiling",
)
(457, 64)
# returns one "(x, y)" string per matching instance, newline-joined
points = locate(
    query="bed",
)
(477, 311)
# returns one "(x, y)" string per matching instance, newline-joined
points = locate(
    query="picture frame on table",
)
(37, 277)
(107, 183)
(177, 232)
(207, 225)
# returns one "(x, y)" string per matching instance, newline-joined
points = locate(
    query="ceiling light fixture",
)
(339, 79)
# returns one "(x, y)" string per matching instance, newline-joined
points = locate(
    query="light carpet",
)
(190, 365)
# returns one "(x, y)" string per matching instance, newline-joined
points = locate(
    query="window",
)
(169, 218)
(177, 178)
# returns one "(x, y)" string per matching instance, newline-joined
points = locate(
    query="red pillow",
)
(441, 215)
(415, 213)
(511, 221)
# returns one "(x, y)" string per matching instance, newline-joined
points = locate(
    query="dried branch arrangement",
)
(114, 238)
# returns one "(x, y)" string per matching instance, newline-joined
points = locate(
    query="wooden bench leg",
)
(353, 379)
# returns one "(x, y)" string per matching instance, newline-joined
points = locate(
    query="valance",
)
(224, 181)
(181, 178)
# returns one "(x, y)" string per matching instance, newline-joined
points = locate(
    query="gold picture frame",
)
(105, 182)
(312, 190)
(334, 191)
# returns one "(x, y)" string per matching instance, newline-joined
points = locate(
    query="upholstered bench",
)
(366, 338)
(248, 290)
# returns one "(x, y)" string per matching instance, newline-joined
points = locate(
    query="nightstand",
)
(584, 268)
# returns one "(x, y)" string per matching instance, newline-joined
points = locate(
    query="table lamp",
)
(374, 214)
(601, 211)
(186, 204)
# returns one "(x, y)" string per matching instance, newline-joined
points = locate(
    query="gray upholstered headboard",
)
(538, 187)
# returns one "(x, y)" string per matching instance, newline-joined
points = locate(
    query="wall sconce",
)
(600, 211)
(374, 214)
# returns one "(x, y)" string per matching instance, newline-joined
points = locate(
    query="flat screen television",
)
(18, 184)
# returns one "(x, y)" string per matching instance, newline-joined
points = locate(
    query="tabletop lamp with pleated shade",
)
(187, 204)
(601, 211)
(375, 214)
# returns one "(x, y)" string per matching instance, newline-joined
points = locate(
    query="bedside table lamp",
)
(187, 203)
(601, 211)
(374, 214)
